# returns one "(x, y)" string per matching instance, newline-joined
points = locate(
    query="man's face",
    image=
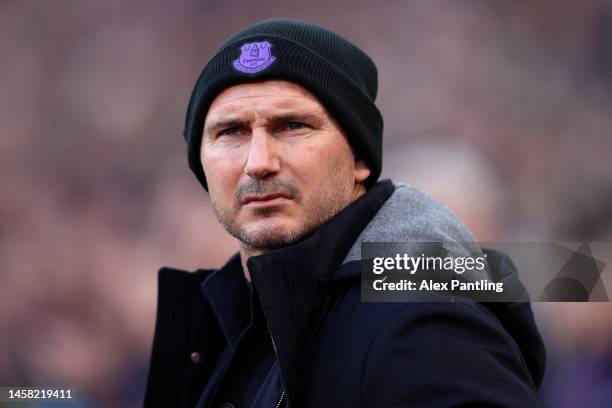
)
(277, 164)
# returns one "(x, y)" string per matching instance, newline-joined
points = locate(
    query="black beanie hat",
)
(338, 73)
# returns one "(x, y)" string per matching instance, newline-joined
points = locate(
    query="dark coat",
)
(336, 351)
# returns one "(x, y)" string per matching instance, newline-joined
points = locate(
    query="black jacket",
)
(336, 351)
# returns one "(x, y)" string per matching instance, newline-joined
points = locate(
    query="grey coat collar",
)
(410, 215)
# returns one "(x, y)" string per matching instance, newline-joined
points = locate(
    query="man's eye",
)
(229, 131)
(295, 125)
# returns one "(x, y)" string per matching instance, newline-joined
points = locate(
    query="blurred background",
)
(501, 109)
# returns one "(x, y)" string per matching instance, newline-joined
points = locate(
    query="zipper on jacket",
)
(282, 396)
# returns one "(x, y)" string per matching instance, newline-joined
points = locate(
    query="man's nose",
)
(263, 160)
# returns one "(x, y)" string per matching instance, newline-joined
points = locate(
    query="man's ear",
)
(362, 171)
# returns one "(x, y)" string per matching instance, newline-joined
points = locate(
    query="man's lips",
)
(269, 199)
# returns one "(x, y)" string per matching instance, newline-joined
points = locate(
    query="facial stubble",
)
(325, 202)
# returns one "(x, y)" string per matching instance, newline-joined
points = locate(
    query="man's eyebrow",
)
(293, 117)
(230, 122)
(224, 124)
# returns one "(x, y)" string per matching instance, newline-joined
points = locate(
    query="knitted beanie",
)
(339, 74)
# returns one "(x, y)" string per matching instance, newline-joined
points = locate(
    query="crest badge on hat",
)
(254, 57)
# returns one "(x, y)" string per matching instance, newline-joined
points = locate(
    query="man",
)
(283, 132)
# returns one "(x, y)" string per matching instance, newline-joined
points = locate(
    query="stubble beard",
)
(325, 203)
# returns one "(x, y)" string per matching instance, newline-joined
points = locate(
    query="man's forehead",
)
(278, 88)
(277, 94)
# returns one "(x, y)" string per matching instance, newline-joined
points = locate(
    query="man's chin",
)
(270, 237)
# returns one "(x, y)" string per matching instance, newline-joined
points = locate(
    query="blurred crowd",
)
(501, 109)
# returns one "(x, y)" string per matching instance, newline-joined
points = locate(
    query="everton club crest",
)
(254, 57)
